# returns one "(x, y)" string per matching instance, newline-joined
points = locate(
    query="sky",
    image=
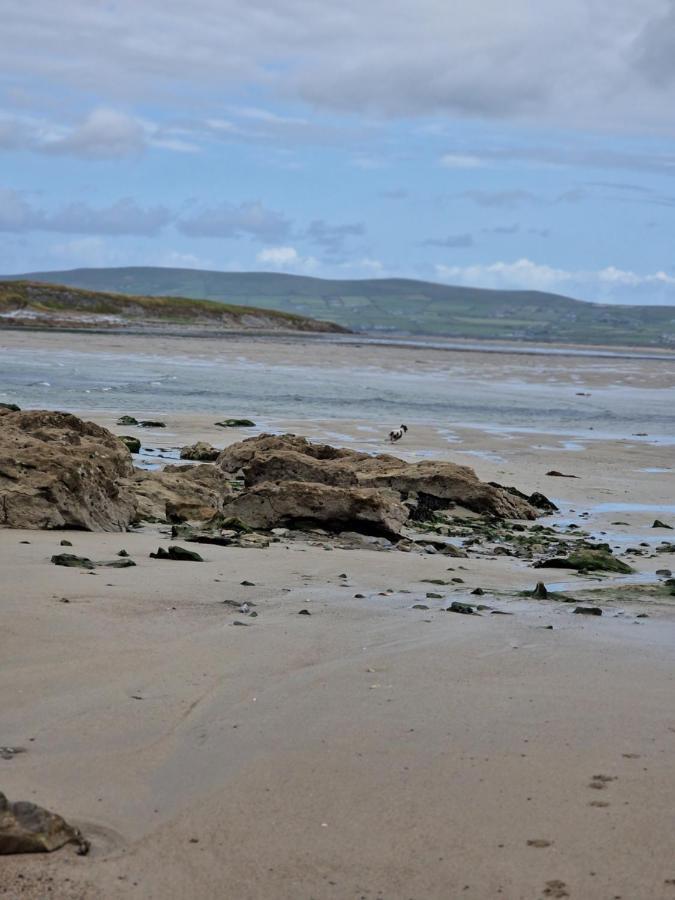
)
(477, 142)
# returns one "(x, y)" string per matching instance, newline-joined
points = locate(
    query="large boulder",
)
(427, 485)
(58, 471)
(179, 493)
(302, 503)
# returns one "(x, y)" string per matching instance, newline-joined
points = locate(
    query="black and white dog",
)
(397, 434)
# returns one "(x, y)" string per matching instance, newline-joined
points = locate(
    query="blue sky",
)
(502, 145)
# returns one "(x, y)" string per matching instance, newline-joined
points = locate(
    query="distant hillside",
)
(37, 304)
(398, 305)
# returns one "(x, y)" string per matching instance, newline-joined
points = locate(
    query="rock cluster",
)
(292, 482)
(57, 471)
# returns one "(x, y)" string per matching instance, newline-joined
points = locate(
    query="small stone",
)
(588, 611)
(65, 543)
(420, 606)
(539, 842)
(247, 583)
(359, 596)
(122, 553)
(304, 612)
(464, 608)
(430, 595)
(478, 592)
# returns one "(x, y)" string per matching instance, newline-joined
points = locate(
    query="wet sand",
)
(368, 750)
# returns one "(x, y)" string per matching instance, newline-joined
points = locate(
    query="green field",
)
(398, 305)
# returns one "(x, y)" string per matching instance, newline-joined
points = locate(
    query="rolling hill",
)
(397, 305)
(43, 305)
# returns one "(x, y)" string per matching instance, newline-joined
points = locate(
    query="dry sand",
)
(366, 751)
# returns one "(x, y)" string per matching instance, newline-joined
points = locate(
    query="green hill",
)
(41, 305)
(398, 305)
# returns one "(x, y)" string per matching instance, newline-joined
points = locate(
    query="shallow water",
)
(226, 383)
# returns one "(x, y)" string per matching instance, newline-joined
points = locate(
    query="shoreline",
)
(371, 748)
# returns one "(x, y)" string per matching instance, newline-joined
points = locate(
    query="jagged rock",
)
(200, 452)
(127, 420)
(179, 493)
(425, 486)
(294, 503)
(587, 561)
(659, 524)
(177, 553)
(27, 828)
(58, 471)
(132, 444)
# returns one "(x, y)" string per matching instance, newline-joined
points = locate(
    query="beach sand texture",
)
(369, 750)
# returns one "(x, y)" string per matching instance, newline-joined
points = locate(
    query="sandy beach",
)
(369, 750)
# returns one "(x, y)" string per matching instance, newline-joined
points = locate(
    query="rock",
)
(588, 611)
(587, 561)
(236, 423)
(203, 536)
(127, 420)
(292, 503)
(247, 583)
(432, 595)
(65, 543)
(419, 606)
(426, 485)
(464, 608)
(10, 407)
(540, 592)
(27, 828)
(537, 500)
(118, 564)
(58, 471)
(132, 444)
(177, 553)
(659, 524)
(149, 423)
(200, 452)
(122, 553)
(304, 612)
(555, 474)
(664, 573)
(72, 561)
(179, 493)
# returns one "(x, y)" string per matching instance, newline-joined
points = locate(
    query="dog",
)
(397, 434)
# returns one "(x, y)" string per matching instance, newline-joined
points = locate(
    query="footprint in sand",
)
(600, 782)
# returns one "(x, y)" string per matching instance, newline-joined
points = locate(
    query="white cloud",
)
(286, 259)
(524, 274)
